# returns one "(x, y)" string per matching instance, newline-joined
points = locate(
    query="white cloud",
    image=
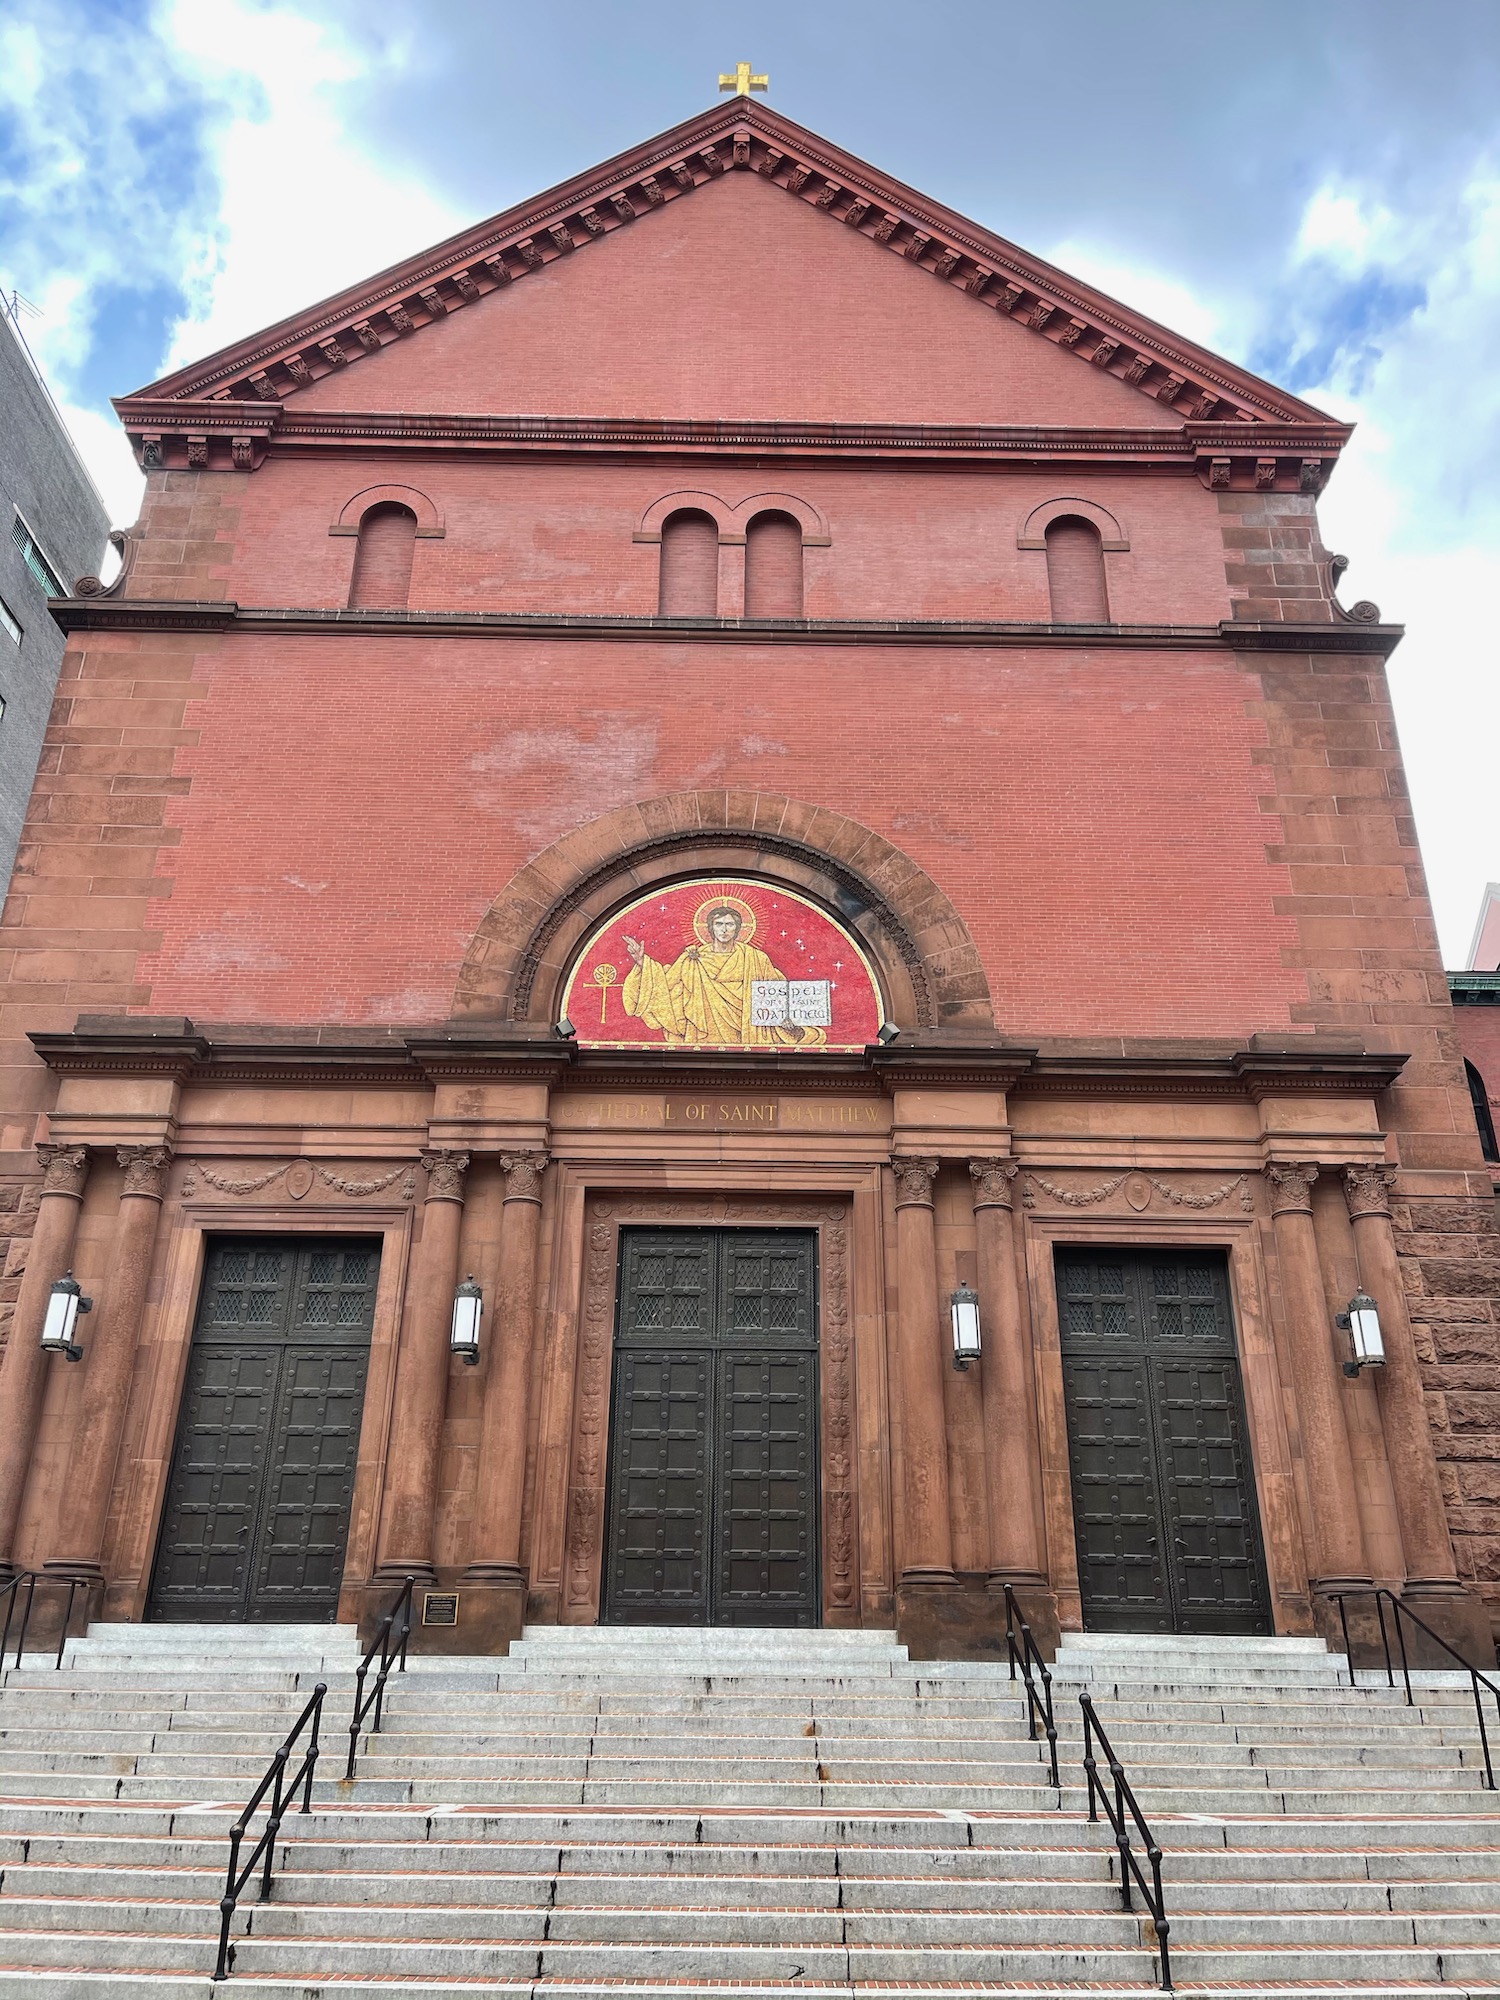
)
(304, 207)
(1414, 505)
(1155, 293)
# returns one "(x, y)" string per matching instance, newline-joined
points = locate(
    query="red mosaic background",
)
(799, 939)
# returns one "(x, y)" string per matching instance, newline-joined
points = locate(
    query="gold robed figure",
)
(704, 995)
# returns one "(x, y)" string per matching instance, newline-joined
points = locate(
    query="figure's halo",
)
(718, 901)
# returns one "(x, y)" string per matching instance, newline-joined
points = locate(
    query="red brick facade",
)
(1171, 840)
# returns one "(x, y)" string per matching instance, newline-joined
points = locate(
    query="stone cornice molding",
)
(65, 1169)
(914, 1179)
(155, 614)
(145, 1170)
(1267, 457)
(1199, 387)
(1367, 1190)
(445, 1175)
(992, 1182)
(480, 1049)
(1291, 1185)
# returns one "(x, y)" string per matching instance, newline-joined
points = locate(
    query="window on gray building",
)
(34, 560)
(9, 623)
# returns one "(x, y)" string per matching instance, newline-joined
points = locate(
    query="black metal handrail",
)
(1024, 1653)
(11, 1588)
(382, 1644)
(1115, 1813)
(265, 1848)
(1477, 1680)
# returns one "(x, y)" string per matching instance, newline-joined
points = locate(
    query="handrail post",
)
(26, 1614)
(1344, 1627)
(228, 1901)
(1385, 1643)
(1163, 1927)
(1401, 1642)
(311, 1759)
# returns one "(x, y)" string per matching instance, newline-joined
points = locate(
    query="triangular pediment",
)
(848, 298)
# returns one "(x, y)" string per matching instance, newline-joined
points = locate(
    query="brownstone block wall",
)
(1358, 897)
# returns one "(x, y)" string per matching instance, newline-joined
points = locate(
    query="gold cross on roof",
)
(742, 82)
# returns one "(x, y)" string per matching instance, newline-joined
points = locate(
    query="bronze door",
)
(713, 1483)
(257, 1510)
(1163, 1494)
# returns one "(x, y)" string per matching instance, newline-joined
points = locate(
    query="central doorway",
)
(713, 1467)
(1163, 1495)
(262, 1477)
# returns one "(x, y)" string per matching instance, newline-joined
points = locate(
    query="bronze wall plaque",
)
(440, 1607)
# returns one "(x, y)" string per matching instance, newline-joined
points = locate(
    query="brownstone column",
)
(23, 1367)
(1012, 1450)
(1306, 1338)
(422, 1376)
(927, 1541)
(1430, 1568)
(505, 1424)
(108, 1362)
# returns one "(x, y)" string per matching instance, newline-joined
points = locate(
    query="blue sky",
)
(1310, 186)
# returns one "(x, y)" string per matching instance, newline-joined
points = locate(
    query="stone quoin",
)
(726, 754)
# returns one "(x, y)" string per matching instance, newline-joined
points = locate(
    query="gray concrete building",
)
(53, 526)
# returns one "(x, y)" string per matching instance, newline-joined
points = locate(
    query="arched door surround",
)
(927, 963)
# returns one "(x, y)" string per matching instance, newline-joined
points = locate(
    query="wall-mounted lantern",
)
(964, 1306)
(1362, 1324)
(64, 1303)
(468, 1311)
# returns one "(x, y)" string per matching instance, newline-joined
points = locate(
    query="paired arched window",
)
(1482, 1118)
(382, 559)
(689, 566)
(773, 567)
(1075, 572)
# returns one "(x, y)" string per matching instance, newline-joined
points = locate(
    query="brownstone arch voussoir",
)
(928, 966)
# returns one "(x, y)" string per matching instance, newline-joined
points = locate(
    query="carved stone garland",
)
(585, 1532)
(1139, 1188)
(300, 1176)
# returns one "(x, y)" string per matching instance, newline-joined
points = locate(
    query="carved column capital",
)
(523, 1175)
(145, 1169)
(445, 1175)
(64, 1169)
(914, 1180)
(992, 1179)
(1291, 1185)
(1368, 1190)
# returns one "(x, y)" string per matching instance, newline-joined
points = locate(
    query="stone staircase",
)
(663, 1813)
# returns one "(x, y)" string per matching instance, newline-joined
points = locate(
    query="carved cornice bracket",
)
(1291, 1184)
(445, 1175)
(145, 1170)
(65, 1169)
(914, 1178)
(1367, 1190)
(523, 1175)
(992, 1182)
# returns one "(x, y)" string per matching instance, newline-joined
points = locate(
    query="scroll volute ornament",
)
(914, 1180)
(992, 1182)
(445, 1175)
(523, 1175)
(145, 1169)
(64, 1168)
(1368, 1190)
(1291, 1185)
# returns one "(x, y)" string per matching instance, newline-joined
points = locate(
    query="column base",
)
(1455, 1614)
(959, 1618)
(1037, 1602)
(1359, 1614)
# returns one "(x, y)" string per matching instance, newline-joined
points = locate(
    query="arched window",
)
(1075, 572)
(773, 567)
(1482, 1118)
(382, 559)
(689, 566)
